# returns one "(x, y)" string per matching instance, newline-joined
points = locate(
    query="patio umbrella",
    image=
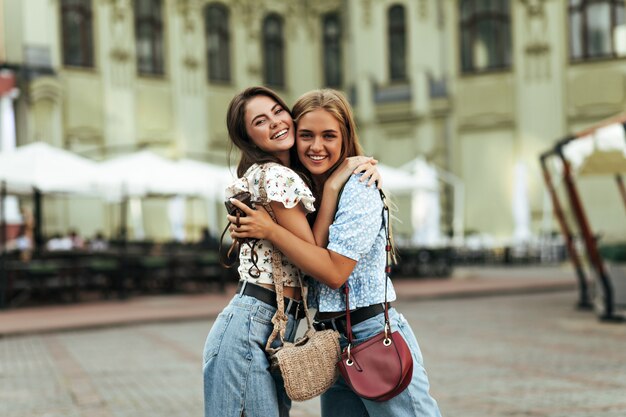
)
(210, 180)
(40, 168)
(397, 181)
(142, 173)
(50, 170)
(145, 173)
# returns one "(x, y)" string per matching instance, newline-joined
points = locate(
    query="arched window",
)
(595, 28)
(331, 29)
(77, 33)
(218, 42)
(273, 51)
(485, 30)
(397, 43)
(149, 36)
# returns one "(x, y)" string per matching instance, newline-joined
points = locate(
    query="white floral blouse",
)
(282, 185)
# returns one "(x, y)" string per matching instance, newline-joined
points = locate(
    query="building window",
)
(331, 29)
(77, 33)
(597, 29)
(273, 51)
(149, 36)
(485, 30)
(218, 42)
(397, 43)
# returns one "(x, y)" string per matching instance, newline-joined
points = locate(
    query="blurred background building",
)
(476, 88)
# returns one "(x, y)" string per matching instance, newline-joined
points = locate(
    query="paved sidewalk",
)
(466, 282)
(510, 356)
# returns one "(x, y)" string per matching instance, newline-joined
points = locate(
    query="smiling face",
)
(319, 141)
(270, 127)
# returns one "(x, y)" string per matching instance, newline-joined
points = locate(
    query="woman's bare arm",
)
(324, 265)
(293, 219)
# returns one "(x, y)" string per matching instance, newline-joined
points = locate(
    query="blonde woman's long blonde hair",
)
(336, 104)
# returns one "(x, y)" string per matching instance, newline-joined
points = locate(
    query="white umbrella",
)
(602, 152)
(212, 180)
(143, 173)
(209, 179)
(50, 169)
(426, 177)
(146, 173)
(520, 204)
(396, 180)
(425, 207)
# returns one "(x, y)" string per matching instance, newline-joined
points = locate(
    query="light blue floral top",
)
(359, 234)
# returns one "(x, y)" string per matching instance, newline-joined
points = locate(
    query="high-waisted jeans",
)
(237, 378)
(414, 401)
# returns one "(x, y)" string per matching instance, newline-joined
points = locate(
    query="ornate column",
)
(251, 13)
(45, 97)
(540, 42)
(187, 66)
(116, 59)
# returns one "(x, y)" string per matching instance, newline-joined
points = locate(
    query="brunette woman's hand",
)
(256, 224)
(355, 165)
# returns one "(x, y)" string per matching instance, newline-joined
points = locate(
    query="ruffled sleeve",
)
(285, 186)
(236, 187)
(243, 183)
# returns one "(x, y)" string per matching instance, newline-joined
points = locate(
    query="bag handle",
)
(389, 257)
(280, 319)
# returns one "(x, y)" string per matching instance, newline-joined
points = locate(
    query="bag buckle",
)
(349, 361)
(387, 340)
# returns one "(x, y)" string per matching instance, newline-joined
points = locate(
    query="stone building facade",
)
(479, 88)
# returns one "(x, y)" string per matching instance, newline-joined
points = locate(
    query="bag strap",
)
(389, 255)
(280, 319)
(225, 260)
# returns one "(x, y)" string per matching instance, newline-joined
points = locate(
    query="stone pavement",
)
(528, 355)
(466, 282)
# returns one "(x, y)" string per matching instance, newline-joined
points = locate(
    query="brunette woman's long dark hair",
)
(251, 154)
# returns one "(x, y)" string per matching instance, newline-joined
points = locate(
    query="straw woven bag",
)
(309, 365)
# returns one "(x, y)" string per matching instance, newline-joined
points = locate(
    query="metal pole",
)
(458, 203)
(622, 189)
(38, 217)
(584, 300)
(590, 243)
(3, 230)
(121, 280)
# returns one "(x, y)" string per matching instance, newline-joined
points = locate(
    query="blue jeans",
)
(237, 378)
(414, 401)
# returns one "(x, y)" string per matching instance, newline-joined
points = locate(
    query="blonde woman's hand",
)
(354, 165)
(255, 224)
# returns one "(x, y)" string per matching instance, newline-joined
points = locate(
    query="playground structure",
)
(598, 150)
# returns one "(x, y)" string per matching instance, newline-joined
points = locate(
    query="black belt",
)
(356, 316)
(292, 307)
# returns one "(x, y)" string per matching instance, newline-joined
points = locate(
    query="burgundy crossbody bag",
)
(382, 367)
